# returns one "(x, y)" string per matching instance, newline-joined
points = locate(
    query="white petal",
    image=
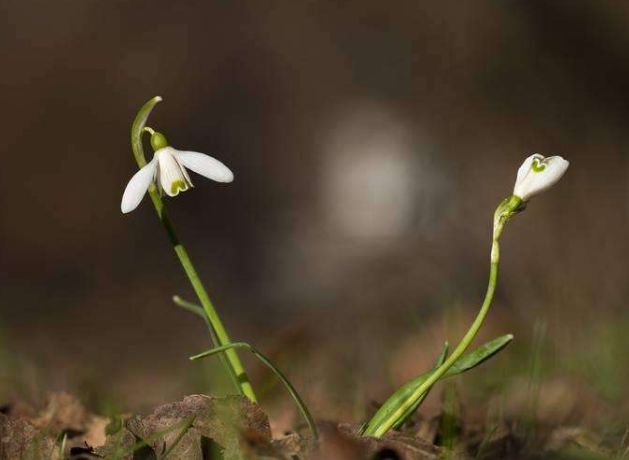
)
(531, 182)
(172, 176)
(183, 169)
(137, 187)
(206, 166)
(557, 166)
(555, 169)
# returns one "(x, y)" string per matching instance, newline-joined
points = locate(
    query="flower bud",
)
(538, 174)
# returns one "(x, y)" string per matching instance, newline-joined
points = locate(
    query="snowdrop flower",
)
(168, 170)
(538, 174)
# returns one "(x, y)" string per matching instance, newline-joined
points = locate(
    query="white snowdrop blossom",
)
(168, 169)
(538, 174)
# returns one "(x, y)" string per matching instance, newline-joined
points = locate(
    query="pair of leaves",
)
(402, 395)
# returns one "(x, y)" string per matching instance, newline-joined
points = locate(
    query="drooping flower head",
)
(538, 174)
(168, 169)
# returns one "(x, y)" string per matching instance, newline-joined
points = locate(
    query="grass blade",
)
(191, 307)
(289, 387)
(146, 442)
(62, 446)
(196, 309)
(178, 438)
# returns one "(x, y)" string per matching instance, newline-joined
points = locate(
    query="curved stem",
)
(387, 424)
(505, 210)
(289, 387)
(218, 333)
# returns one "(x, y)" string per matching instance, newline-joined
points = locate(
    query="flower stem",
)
(504, 211)
(218, 333)
(382, 428)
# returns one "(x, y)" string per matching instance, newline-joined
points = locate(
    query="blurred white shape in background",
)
(381, 188)
(370, 178)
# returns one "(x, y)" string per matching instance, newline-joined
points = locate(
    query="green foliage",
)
(479, 355)
(404, 393)
(218, 333)
(394, 402)
(266, 361)
(289, 387)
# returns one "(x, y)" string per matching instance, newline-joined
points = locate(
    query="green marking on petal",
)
(538, 166)
(177, 186)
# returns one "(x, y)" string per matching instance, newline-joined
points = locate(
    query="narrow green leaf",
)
(146, 442)
(465, 363)
(267, 362)
(440, 360)
(401, 395)
(191, 307)
(479, 355)
(62, 446)
(197, 310)
(179, 437)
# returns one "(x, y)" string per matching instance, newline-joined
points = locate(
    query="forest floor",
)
(201, 428)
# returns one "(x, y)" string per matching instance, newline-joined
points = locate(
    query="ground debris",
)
(342, 442)
(232, 428)
(30, 433)
(20, 439)
(62, 412)
(572, 439)
(193, 428)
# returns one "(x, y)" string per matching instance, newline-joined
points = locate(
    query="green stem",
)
(382, 428)
(266, 361)
(219, 336)
(504, 211)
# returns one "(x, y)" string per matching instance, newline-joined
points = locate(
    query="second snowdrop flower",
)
(168, 169)
(538, 174)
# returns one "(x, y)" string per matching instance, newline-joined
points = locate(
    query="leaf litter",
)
(232, 428)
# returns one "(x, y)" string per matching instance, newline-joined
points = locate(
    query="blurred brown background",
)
(371, 142)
